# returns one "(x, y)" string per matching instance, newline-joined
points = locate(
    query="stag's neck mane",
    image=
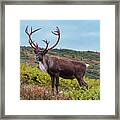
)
(44, 62)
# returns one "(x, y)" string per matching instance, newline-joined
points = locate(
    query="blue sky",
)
(78, 35)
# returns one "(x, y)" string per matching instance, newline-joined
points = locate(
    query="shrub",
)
(37, 85)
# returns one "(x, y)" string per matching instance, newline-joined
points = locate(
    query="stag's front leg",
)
(57, 84)
(52, 84)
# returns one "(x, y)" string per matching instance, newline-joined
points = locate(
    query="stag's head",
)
(37, 50)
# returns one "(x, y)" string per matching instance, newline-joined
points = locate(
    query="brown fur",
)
(65, 68)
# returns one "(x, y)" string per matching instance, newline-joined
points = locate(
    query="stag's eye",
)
(39, 57)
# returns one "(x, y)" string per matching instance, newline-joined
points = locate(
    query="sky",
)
(80, 35)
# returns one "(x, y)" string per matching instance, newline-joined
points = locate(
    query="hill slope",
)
(90, 57)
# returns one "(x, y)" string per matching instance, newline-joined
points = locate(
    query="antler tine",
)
(57, 32)
(47, 43)
(26, 30)
(36, 30)
(33, 45)
(58, 29)
(31, 31)
(30, 41)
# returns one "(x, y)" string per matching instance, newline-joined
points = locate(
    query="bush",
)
(37, 85)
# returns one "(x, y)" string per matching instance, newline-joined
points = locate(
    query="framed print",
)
(60, 60)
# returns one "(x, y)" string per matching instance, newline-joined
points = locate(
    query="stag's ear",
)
(36, 51)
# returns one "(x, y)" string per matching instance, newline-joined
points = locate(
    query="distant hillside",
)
(89, 57)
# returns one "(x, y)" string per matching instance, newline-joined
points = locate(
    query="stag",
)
(57, 66)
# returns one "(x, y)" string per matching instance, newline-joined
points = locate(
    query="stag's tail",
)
(87, 65)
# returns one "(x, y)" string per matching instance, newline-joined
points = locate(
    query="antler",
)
(47, 43)
(33, 45)
(57, 32)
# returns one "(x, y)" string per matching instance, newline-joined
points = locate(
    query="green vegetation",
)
(36, 85)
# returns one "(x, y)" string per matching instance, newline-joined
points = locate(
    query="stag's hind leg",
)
(81, 81)
(84, 83)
